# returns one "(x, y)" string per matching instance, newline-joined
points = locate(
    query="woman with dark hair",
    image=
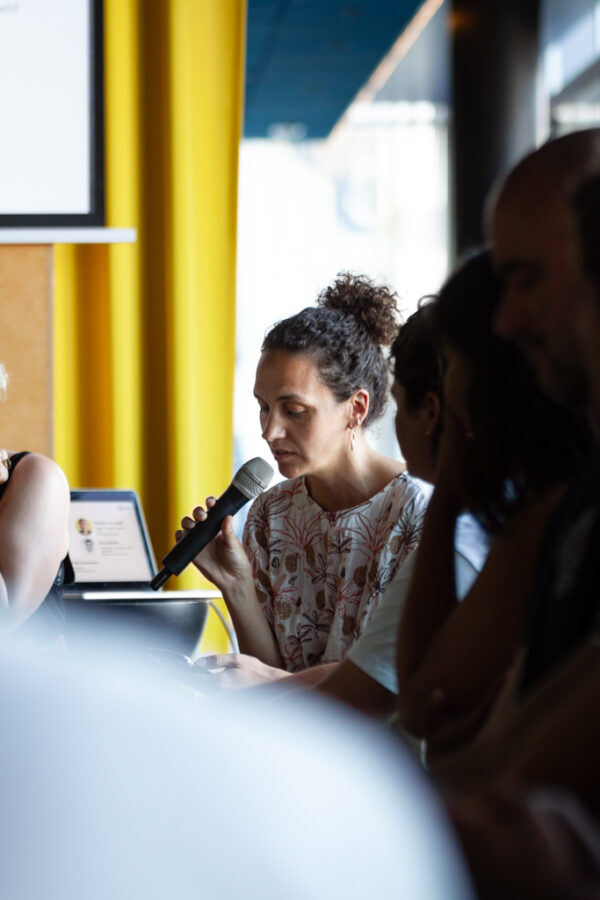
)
(506, 454)
(321, 546)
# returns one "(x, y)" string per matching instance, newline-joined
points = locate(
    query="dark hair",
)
(417, 365)
(586, 206)
(416, 358)
(344, 335)
(522, 440)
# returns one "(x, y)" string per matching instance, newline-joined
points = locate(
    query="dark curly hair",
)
(344, 335)
(522, 441)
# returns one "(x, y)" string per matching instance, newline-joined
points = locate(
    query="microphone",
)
(248, 482)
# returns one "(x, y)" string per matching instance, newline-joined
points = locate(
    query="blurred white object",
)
(115, 784)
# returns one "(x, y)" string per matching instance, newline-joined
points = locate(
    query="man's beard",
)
(564, 381)
(569, 386)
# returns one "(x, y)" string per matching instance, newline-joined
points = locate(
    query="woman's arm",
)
(33, 536)
(342, 681)
(472, 645)
(555, 733)
(224, 562)
(551, 736)
(431, 595)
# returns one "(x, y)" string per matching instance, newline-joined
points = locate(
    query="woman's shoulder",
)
(402, 489)
(399, 501)
(37, 463)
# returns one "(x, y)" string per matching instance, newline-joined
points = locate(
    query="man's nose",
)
(512, 314)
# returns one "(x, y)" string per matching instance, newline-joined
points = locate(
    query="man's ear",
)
(359, 406)
(433, 411)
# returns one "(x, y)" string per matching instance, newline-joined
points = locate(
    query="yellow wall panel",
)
(145, 333)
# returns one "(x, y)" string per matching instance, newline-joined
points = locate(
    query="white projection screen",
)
(51, 113)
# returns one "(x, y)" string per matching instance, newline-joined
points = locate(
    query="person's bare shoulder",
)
(40, 478)
(35, 465)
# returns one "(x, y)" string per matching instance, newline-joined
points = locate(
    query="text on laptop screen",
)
(106, 542)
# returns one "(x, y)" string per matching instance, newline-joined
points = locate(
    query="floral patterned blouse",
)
(319, 575)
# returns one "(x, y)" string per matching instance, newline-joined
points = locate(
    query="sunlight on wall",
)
(372, 199)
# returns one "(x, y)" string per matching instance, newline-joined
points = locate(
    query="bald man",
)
(532, 230)
(535, 244)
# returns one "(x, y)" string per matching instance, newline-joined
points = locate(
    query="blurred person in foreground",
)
(114, 787)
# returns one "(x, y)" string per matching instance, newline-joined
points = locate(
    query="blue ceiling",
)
(307, 59)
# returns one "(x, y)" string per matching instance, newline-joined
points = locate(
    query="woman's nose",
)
(272, 427)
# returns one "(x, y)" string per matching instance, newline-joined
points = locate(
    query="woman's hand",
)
(238, 670)
(223, 561)
(454, 451)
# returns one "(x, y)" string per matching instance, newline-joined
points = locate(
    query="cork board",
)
(26, 316)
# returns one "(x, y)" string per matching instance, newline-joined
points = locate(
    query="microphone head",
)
(253, 477)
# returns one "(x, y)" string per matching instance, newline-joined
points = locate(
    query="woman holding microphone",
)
(320, 547)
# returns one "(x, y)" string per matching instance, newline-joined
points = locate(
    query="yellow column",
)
(145, 334)
(206, 56)
(122, 87)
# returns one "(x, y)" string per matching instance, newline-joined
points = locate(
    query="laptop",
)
(111, 607)
(111, 552)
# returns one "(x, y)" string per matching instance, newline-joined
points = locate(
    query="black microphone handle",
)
(201, 534)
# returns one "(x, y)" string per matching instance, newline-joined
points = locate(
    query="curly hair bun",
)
(373, 306)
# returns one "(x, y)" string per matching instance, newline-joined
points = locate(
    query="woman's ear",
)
(432, 411)
(359, 406)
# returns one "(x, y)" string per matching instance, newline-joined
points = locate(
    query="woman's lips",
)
(282, 454)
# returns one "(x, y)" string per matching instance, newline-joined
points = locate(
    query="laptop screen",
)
(108, 541)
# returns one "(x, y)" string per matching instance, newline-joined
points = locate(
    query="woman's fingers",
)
(187, 523)
(227, 526)
(199, 514)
